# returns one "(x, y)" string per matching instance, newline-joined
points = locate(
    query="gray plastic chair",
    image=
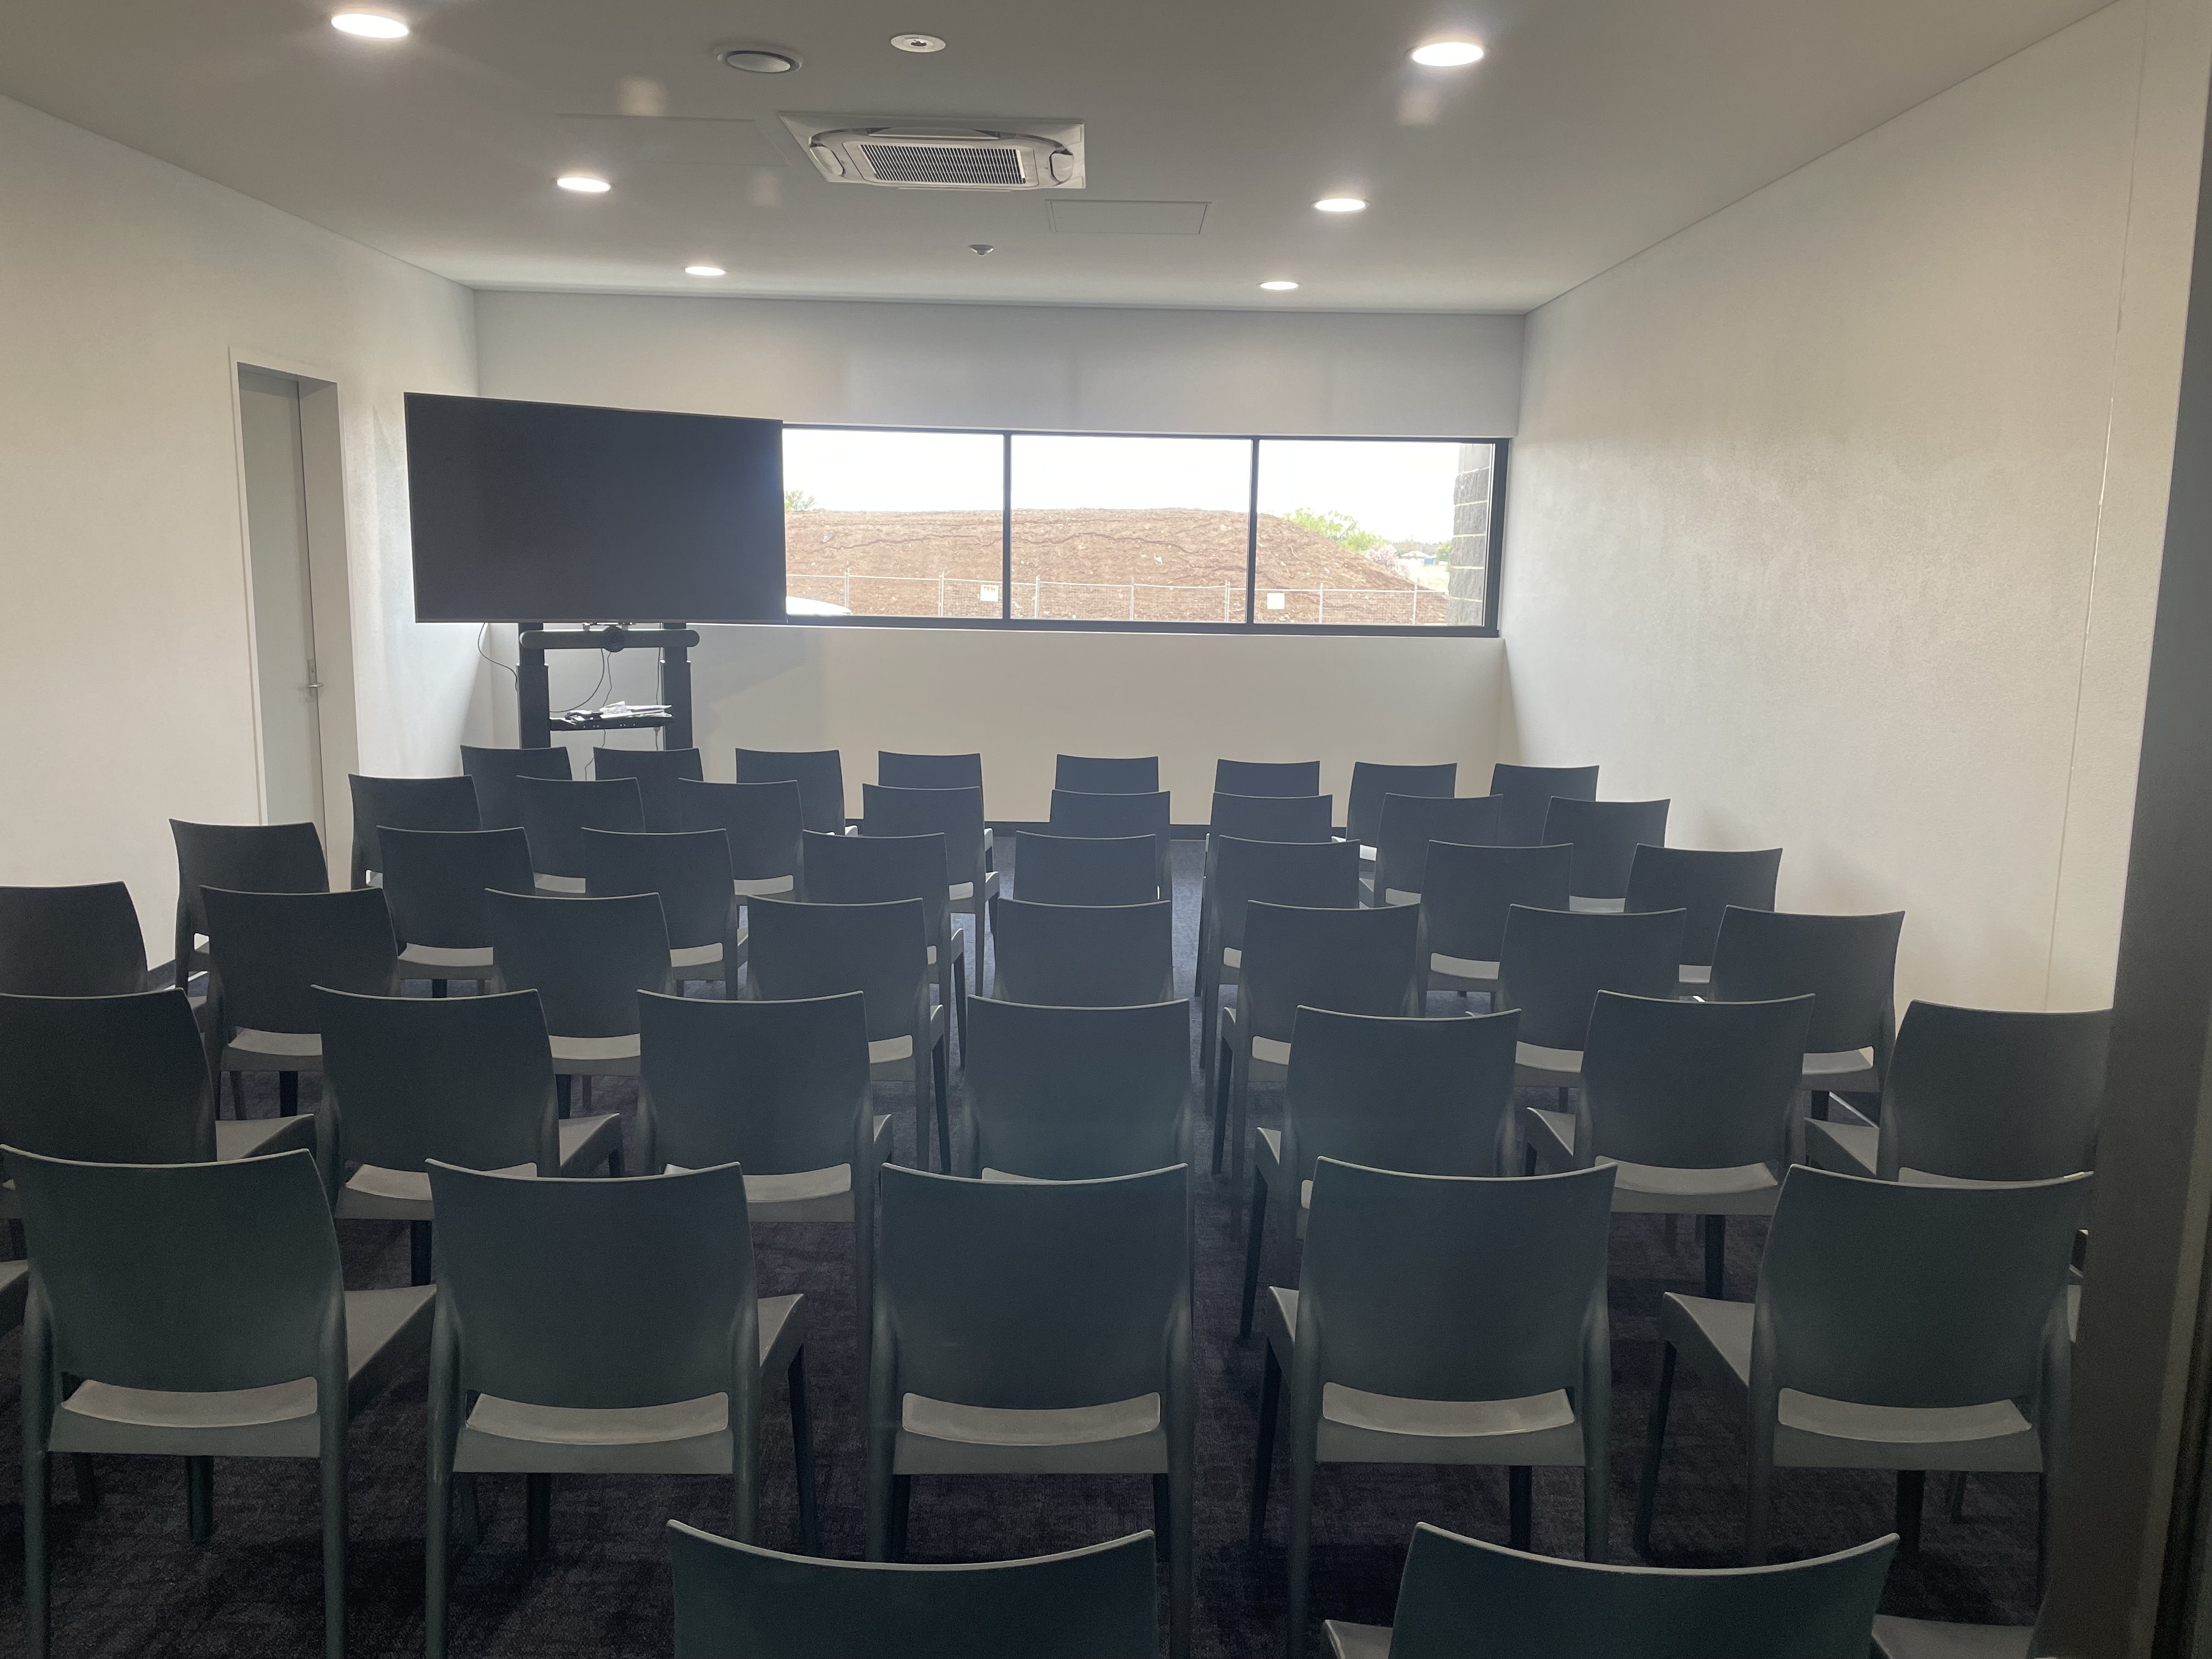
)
(1605, 835)
(1372, 781)
(494, 772)
(1895, 1327)
(1107, 816)
(928, 771)
(1236, 777)
(1847, 964)
(1462, 1598)
(1694, 1104)
(1085, 869)
(764, 823)
(819, 774)
(732, 1598)
(1092, 775)
(71, 942)
(1926, 1638)
(1702, 885)
(876, 869)
(956, 815)
(435, 883)
(381, 803)
(659, 773)
(605, 1327)
(271, 950)
(1036, 1328)
(1076, 1094)
(466, 1081)
(1528, 791)
(1467, 892)
(780, 1088)
(1979, 1094)
(1441, 1319)
(1426, 1096)
(1085, 956)
(1294, 957)
(801, 951)
(1408, 824)
(690, 871)
(1552, 963)
(588, 959)
(245, 857)
(1274, 817)
(202, 1310)
(555, 813)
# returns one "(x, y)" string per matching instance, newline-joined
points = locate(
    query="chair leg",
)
(437, 1547)
(563, 1086)
(1520, 1506)
(1958, 1510)
(802, 1451)
(960, 995)
(539, 1490)
(88, 1479)
(1160, 1517)
(1673, 1233)
(1655, 1439)
(1716, 1255)
(287, 1094)
(419, 1253)
(902, 1502)
(437, 988)
(1299, 1552)
(1263, 1461)
(334, 1553)
(584, 1095)
(35, 1612)
(1220, 1108)
(942, 1085)
(472, 1523)
(237, 1094)
(1911, 1494)
(199, 1498)
(1255, 1237)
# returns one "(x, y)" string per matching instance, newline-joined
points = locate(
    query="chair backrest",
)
(1701, 884)
(1033, 1295)
(1076, 813)
(271, 950)
(199, 1277)
(597, 1294)
(929, 771)
(779, 1087)
(107, 1079)
(1426, 1095)
(874, 869)
(1552, 963)
(1466, 891)
(1605, 835)
(1690, 1085)
(556, 812)
(1236, 777)
(1848, 965)
(1349, 962)
(467, 1081)
(1274, 817)
(764, 822)
(587, 959)
(1462, 1598)
(690, 869)
(1319, 875)
(955, 814)
(1085, 956)
(246, 858)
(70, 941)
(495, 770)
(434, 882)
(804, 950)
(1070, 1094)
(1980, 1094)
(1372, 781)
(819, 774)
(1091, 775)
(1454, 1287)
(406, 803)
(658, 773)
(1528, 791)
(730, 1598)
(1891, 1293)
(1086, 869)
(1410, 823)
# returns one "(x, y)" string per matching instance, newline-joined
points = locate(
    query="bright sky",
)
(1402, 491)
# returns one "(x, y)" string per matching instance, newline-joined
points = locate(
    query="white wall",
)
(1836, 517)
(131, 288)
(1020, 697)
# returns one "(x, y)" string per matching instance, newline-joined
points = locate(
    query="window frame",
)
(1500, 463)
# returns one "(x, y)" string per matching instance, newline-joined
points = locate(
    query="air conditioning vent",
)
(902, 155)
(890, 163)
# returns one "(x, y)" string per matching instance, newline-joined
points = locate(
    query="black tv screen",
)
(560, 513)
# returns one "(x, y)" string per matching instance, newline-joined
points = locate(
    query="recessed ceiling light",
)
(760, 60)
(1340, 204)
(583, 184)
(369, 25)
(1281, 285)
(1448, 54)
(917, 43)
(704, 270)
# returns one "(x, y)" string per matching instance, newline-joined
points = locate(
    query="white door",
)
(283, 596)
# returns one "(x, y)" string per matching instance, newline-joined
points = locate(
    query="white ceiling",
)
(1595, 128)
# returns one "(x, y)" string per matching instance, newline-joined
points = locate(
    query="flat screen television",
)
(527, 512)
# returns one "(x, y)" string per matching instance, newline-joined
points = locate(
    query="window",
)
(1069, 529)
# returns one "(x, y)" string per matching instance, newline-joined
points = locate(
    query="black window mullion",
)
(1007, 528)
(1252, 537)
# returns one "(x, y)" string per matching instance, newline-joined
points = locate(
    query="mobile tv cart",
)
(533, 685)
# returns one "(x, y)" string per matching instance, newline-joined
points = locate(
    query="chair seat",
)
(258, 1137)
(892, 1051)
(373, 1193)
(1925, 1638)
(597, 1056)
(1714, 1340)
(560, 884)
(1468, 967)
(1267, 1158)
(762, 886)
(447, 956)
(1367, 855)
(1350, 1641)
(1535, 1066)
(273, 1051)
(14, 1290)
(1591, 905)
(941, 1437)
(963, 892)
(1845, 1148)
(1847, 1071)
(1269, 1056)
(1694, 973)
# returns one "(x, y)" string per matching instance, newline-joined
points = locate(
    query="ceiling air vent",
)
(906, 154)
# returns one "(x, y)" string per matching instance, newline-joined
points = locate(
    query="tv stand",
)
(533, 688)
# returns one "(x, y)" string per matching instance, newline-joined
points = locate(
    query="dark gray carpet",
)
(128, 1582)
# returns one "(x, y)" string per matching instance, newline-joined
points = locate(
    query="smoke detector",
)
(936, 154)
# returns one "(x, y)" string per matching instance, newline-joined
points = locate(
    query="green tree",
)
(798, 501)
(1340, 527)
